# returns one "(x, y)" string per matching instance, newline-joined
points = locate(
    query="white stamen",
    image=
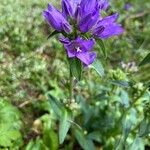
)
(78, 49)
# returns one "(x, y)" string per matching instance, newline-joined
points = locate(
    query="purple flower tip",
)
(56, 19)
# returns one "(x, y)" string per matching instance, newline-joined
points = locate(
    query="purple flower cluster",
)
(78, 18)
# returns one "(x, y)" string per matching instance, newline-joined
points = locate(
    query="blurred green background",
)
(32, 66)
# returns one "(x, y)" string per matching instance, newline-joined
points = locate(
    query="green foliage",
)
(102, 46)
(56, 105)
(49, 141)
(98, 68)
(137, 145)
(15, 32)
(110, 109)
(75, 68)
(8, 135)
(10, 125)
(65, 124)
(64, 116)
(146, 60)
(83, 140)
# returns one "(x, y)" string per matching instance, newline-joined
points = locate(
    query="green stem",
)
(71, 87)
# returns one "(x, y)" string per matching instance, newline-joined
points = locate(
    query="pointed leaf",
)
(50, 139)
(121, 83)
(127, 125)
(124, 98)
(64, 125)
(102, 46)
(144, 127)
(55, 104)
(75, 68)
(85, 142)
(145, 61)
(137, 144)
(97, 66)
(96, 136)
(52, 34)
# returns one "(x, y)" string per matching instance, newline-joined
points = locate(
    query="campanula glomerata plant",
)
(80, 23)
(75, 76)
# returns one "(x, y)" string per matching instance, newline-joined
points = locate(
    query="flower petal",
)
(107, 27)
(88, 6)
(77, 14)
(51, 20)
(67, 9)
(85, 45)
(103, 4)
(79, 46)
(70, 48)
(107, 20)
(75, 4)
(109, 31)
(88, 44)
(89, 21)
(87, 58)
(64, 40)
(56, 19)
(66, 27)
(70, 53)
(97, 31)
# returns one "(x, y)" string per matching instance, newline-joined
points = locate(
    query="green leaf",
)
(97, 66)
(56, 105)
(10, 124)
(127, 124)
(145, 61)
(85, 108)
(30, 145)
(64, 125)
(8, 135)
(75, 67)
(124, 98)
(120, 83)
(50, 139)
(52, 34)
(121, 144)
(144, 127)
(37, 144)
(137, 144)
(64, 115)
(8, 113)
(83, 140)
(96, 136)
(102, 46)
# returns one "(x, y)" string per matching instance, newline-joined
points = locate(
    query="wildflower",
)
(81, 49)
(130, 67)
(79, 17)
(127, 6)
